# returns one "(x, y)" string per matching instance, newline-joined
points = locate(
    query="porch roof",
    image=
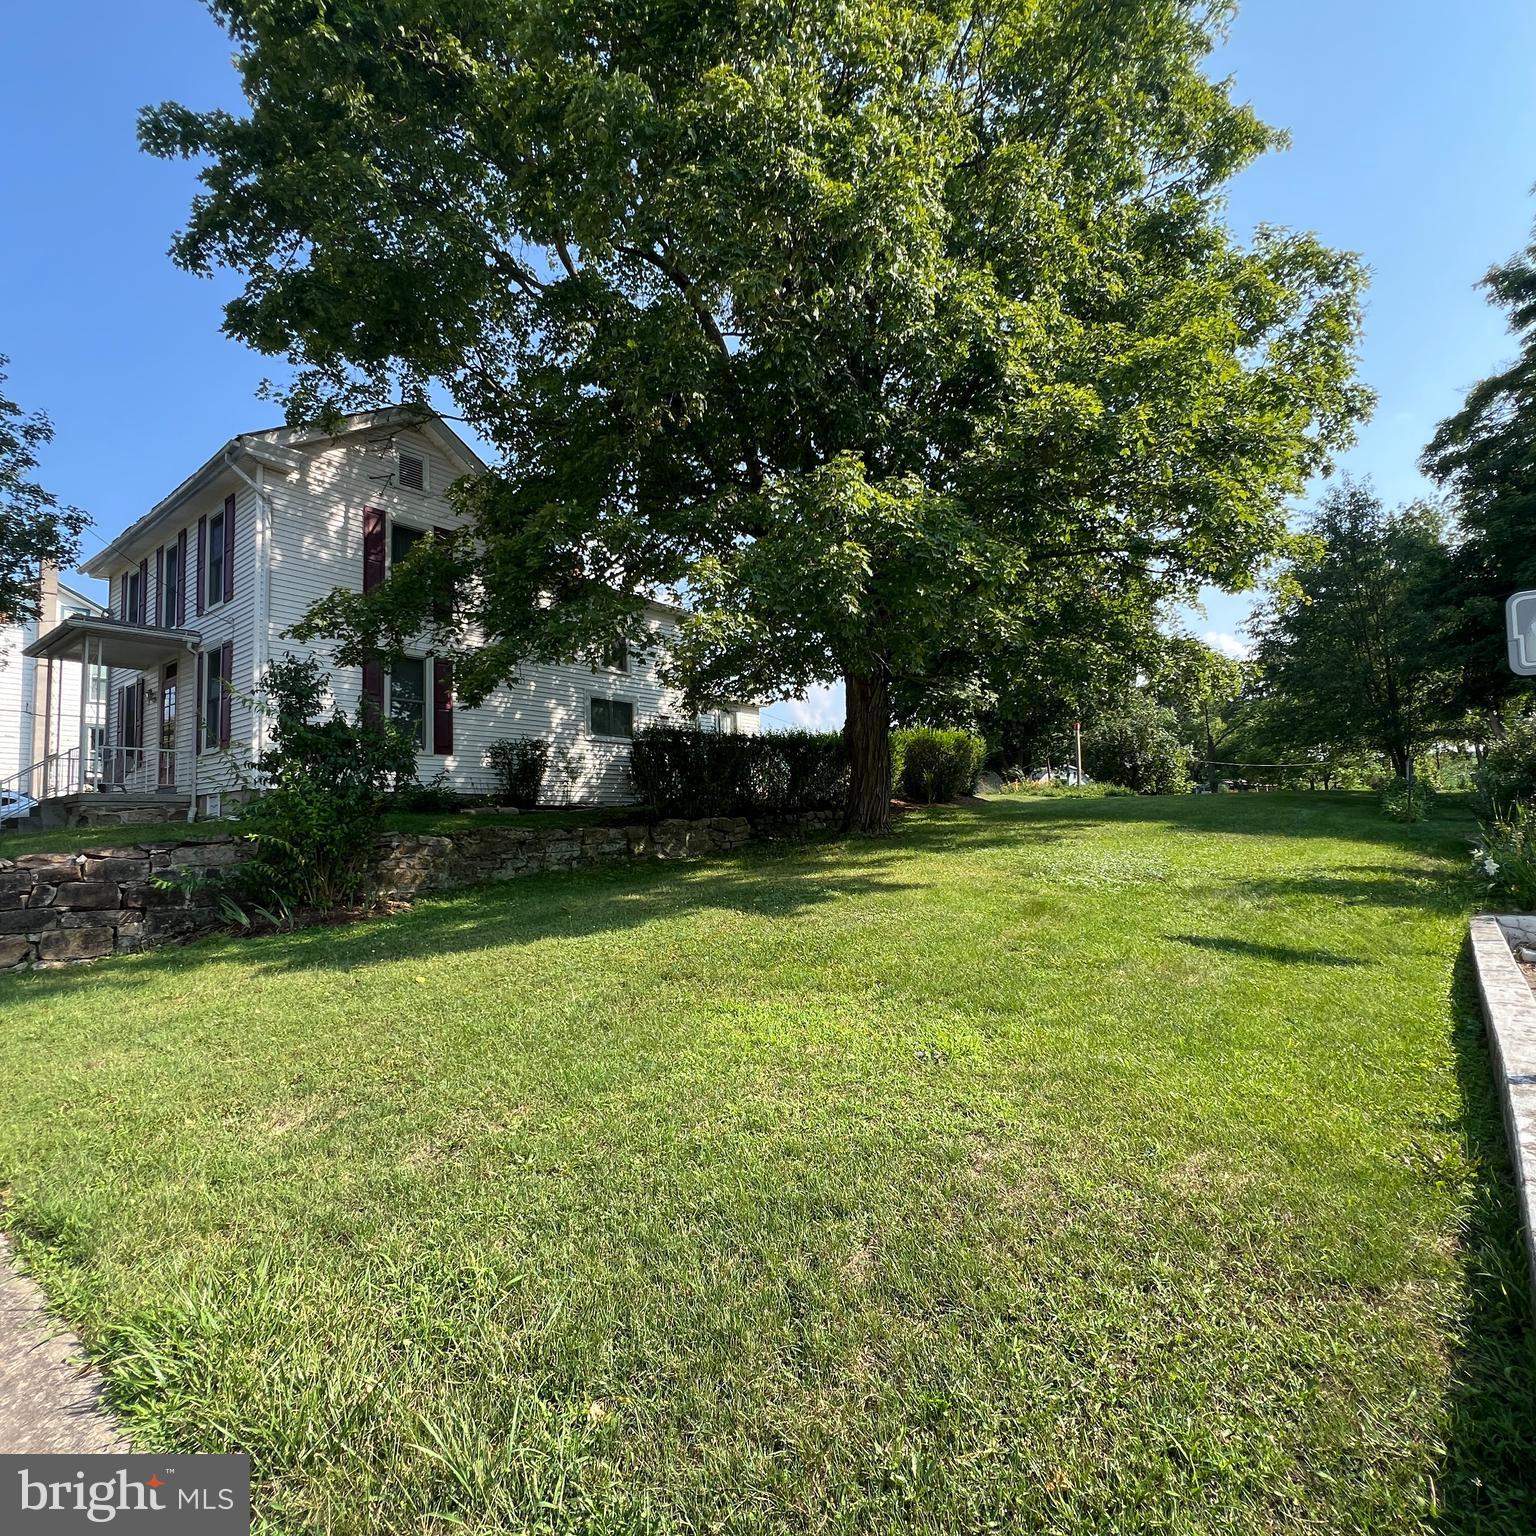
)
(113, 643)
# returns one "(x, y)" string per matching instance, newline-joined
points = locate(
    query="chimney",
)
(47, 599)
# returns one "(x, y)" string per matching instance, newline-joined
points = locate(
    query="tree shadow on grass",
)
(772, 881)
(1282, 953)
(1487, 1478)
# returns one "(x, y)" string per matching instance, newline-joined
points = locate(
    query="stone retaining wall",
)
(58, 909)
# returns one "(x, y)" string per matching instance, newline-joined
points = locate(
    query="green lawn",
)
(19, 840)
(1109, 1166)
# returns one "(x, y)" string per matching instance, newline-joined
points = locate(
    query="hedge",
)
(684, 771)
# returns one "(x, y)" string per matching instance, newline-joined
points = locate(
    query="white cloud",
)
(1227, 644)
(820, 710)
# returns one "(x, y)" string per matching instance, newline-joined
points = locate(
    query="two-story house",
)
(41, 704)
(205, 586)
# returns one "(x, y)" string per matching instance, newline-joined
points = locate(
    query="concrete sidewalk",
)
(49, 1396)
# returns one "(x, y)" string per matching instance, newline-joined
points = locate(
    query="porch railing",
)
(103, 770)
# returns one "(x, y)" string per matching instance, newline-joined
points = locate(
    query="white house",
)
(205, 585)
(40, 716)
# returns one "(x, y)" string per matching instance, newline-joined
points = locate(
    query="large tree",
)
(35, 530)
(1345, 655)
(884, 332)
(1486, 457)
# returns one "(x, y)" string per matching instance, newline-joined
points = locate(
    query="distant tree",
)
(1201, 686)
(883, 329)
(1485, 455)
(34, 529)
(1136, 745)
(1342, 642)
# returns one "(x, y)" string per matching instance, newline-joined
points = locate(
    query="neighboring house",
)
(204, 586)
(39, 715)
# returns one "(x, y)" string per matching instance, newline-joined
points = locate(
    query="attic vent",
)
(413, 472)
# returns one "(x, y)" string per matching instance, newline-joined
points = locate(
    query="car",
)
(14, 805)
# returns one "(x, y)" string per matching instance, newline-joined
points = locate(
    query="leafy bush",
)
(429, 798)
(1507, 776)
(1402, 801)
(1137, 746)
(518, 763)
(323, 780)
(683, 771)
(931, 765)
(1507, 858)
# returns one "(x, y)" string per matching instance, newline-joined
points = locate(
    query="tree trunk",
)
(867, 732)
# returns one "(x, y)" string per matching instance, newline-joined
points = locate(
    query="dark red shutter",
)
(202, 534)
(197, 709)
(226, 694)
(373, 548)
(442, 705)
(373, 692)
(229, 548)
(142, 616)
(122, 599)
(181, 578)
(158, 610)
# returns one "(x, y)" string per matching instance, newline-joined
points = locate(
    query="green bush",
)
(1402, 801)
(1507, 859)
(427, 799)
(322, 782)
(1507, 776)
(518, 763)
(928, 765)
(683, 771)
(1137, 746)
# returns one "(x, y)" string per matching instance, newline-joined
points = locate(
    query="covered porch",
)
(127, 741)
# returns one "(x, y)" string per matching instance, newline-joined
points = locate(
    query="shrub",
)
(1507, 776)
(434, 796)
(931, 765)
(1507, 858)
(518, 763)
(1402, 801)
(683, 771)
(1137, 746)
(323, 782)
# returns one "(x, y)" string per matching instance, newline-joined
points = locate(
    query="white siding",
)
(318, 546)
(23, 698)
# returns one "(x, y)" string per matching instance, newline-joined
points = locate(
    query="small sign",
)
(1520, 626)
(198, 1495)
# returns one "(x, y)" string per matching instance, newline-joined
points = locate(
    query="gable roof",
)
(279, 448)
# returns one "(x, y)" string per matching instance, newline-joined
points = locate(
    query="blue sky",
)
(1414, 143)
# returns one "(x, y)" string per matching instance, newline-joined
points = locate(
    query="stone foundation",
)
(60, 909)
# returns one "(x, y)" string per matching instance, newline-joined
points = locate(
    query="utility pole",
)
(1077, 732)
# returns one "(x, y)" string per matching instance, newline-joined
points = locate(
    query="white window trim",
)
(425, 530)
(215, 598)
(596, 735)
(427, 748)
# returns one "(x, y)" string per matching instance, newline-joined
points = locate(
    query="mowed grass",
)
(1105, 1166)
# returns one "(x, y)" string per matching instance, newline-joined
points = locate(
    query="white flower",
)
(1490, 868)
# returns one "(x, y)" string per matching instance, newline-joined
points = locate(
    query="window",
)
(214, 588)
(615, 658)
(213, 697)
(402, 540)
(135, 608)
(132, 732)
(413, 472)
(408, 698)
(168, 588)
(720, 721)
(613, 717)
